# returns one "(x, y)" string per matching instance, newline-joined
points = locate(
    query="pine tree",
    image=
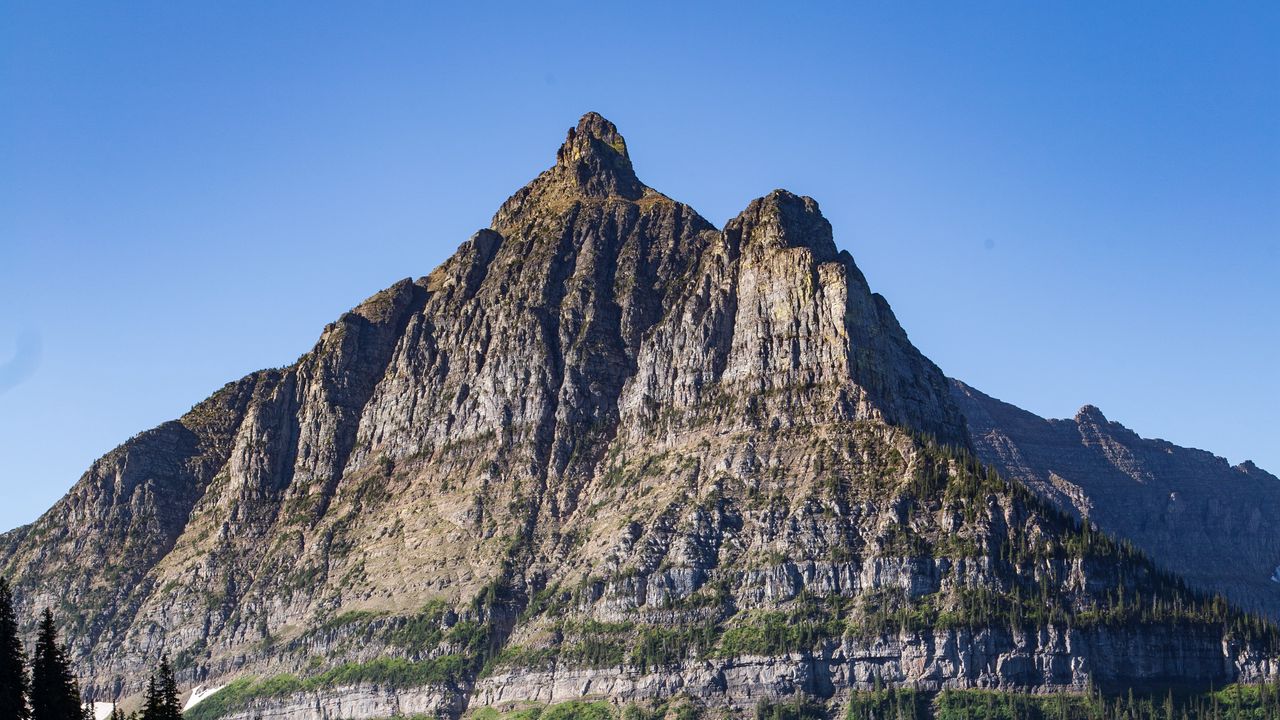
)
(54, 692)
(13, 661)
(169, 691)
(161, 702)
(151, 701)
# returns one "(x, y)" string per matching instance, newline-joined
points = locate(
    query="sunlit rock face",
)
(605, 449)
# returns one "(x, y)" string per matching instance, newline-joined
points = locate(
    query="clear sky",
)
(1064, 202)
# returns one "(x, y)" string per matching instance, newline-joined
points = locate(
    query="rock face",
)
(1216, 525)
(353, 701)
(604, 449)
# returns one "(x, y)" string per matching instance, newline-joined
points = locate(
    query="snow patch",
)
(198, 694)
(1275, 576)
(101, 711)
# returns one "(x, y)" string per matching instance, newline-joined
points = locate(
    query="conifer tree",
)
(169, 691)
(55, 695)
(151, 701)
(13, 661)
(161, 702)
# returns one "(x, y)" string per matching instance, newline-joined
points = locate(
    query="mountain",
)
(1216, 525)
(604, 450)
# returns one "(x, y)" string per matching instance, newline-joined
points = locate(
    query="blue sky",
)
(1065, 203)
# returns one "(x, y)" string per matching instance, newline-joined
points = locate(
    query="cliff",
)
(603, 450)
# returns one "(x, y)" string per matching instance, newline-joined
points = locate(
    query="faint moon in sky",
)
(26, 357)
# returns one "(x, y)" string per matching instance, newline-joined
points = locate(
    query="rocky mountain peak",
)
(1090, 414)
(594, 160)
(604, 440)
(592, 165)
(1248, 467)
(782, 220)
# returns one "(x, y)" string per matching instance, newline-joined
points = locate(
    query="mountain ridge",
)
(604, 444)
(1192, 511)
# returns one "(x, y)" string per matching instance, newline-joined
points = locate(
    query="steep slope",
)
(88, 554)
(603, 449)
(1216, 525)
(168, 527)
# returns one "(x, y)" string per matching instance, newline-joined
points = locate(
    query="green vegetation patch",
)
(658, 647)
(572, 710)
(969, 704)
(898, 703)
(1236, 702)
(392, 672)
(779, 632)
(799, 709)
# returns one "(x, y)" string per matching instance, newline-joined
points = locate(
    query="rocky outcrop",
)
(605, 448)
(989, 659)
(354, 701)
(1216, 525)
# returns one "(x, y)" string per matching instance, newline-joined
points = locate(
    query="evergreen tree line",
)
(1236, 702)
(49, 691)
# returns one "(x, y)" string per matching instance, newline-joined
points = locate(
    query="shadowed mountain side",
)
(1216, 525)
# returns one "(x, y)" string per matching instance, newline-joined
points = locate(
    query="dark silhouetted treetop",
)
(55, 695)
(13, 661)
(161, 702)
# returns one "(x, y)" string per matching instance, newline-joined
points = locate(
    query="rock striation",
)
(1215, 524)
(604, 450)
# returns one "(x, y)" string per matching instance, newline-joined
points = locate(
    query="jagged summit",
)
(603, 440)
(783, 220)
(1249, 467)
(1090, 413)
(594, 157)
(592, 165)
(592, 127)
(594, 160)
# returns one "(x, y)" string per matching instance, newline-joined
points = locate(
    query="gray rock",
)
(1216, 525)
(601, 423)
